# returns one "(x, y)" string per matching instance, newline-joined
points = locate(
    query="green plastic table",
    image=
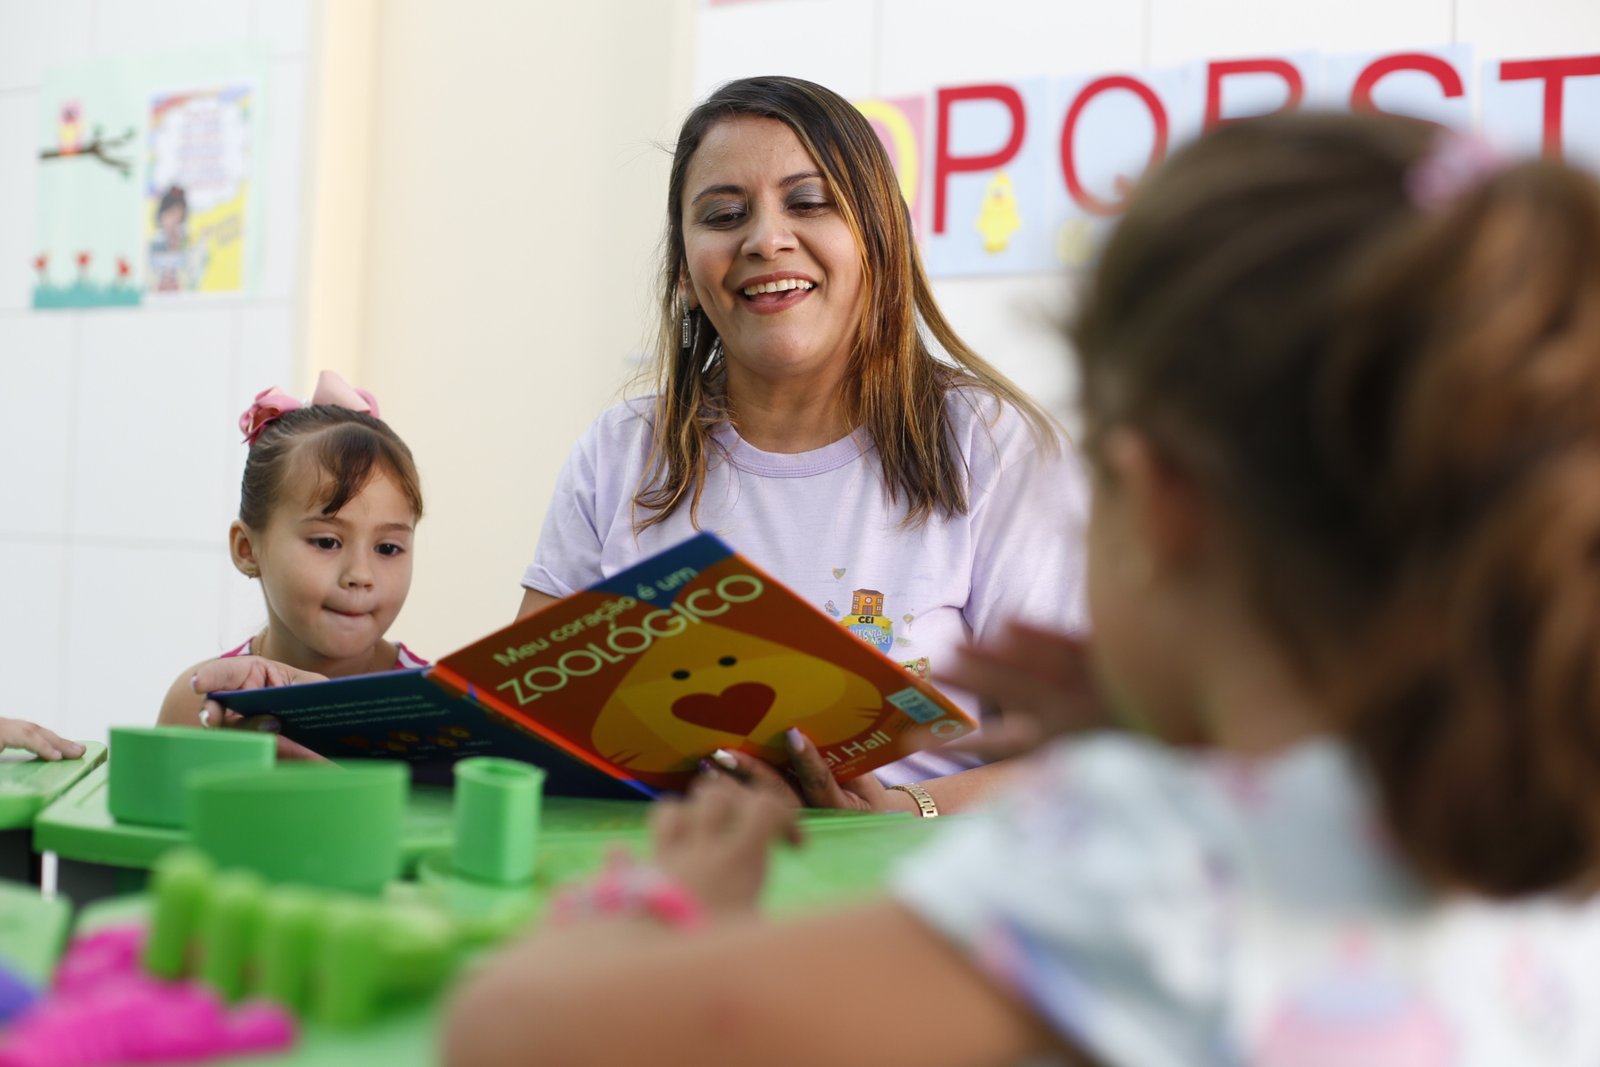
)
(846, 857)
(27, 786)
(100, 857)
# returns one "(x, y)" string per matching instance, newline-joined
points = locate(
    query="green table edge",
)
(28, 786)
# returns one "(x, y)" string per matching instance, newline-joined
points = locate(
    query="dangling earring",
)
(688, 329)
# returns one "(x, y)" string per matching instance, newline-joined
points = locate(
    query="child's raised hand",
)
(1038, 678)
(809, 782)
(250, 672)
(47, 745)
(715, 841)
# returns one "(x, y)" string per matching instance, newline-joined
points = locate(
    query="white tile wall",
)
(32, 584)
(1015, 323)
(265, 358)
(19, 120)
(135, 618)
(154, 429)
(35, 35)
(740, 40)
(131, 27)
(282, 25)
(1531, 29)
(285, 167)
(37, 359)
(1183, 30)
(952, 42)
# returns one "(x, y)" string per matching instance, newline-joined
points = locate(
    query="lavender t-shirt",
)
(821, 522)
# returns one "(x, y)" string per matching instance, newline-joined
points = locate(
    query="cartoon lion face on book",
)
(713, 687)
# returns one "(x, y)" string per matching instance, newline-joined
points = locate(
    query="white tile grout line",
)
(93, 541)
(182, 304)
(1144, 47)
(877, 47)
(64, 638)
(233, 394)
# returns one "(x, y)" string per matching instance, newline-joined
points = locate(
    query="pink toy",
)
(104, 1010)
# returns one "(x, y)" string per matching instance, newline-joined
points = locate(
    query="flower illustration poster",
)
(147, 178)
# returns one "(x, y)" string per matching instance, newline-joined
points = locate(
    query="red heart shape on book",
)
(738, 709)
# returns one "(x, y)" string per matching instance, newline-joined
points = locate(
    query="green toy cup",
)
(149, 765)
(312, 824)
(497, 819)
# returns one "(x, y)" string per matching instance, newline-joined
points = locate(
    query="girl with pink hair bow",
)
(328, 506)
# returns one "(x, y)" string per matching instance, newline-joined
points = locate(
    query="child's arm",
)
(182, 704)
(532, 601)
(186, 703)
(869, 986)
(46, 744)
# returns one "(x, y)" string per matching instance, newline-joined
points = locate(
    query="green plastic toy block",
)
(320, 825)
(497, 819)
(150, 768)
(330, 956)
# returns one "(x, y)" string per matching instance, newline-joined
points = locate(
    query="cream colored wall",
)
(512, 214)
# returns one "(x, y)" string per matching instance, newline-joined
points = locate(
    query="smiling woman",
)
(773, 265)
(327, 508)
(812, 406)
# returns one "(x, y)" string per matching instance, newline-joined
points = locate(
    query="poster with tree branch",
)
(146, 179)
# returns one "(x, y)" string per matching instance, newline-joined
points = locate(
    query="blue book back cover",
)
(403, 715)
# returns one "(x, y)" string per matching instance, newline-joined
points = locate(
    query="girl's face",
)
(769, 258)
(333, 583)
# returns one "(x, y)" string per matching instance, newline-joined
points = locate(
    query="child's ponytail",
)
(1469, 389)
(1381, 357)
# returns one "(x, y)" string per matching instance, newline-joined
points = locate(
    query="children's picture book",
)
(624, 687)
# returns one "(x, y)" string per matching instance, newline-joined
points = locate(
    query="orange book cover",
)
(648, 672)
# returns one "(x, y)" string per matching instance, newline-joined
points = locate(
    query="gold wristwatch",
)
(924, 799)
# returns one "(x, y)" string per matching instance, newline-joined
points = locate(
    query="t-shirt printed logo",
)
(868, 621)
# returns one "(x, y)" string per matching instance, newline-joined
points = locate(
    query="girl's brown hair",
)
(898, 388)
(1398, 407)
(346, 446)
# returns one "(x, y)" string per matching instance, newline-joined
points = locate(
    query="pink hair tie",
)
(1456, 163)
(272, 404)
(626, 887)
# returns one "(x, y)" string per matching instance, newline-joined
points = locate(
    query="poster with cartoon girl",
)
(198, 191)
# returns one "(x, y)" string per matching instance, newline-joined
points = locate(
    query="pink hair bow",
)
(1456, 162)
(271, 404)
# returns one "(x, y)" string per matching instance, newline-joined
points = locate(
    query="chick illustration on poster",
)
(998, 218)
